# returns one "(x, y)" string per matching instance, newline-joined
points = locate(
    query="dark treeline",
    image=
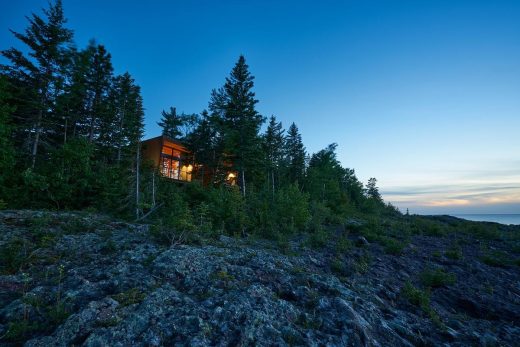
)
(70, 132)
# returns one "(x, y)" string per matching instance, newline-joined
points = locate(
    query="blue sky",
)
(423, 95)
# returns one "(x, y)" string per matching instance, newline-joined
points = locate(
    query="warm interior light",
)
(231, 175)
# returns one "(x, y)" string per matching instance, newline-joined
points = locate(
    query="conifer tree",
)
(295, 155)
(171, 123)
(234, 104)
(128, 117)
(203, 142)
(7, 154)
(40, 73)
(99, 78)
(273, 146)
(372, 190)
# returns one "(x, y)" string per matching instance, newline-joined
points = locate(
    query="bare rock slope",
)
(79, 279)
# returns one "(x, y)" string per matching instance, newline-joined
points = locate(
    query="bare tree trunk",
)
(36, 138)
(153, 188)
(272, 181)
(138, 158)
(243, 183)
(65, 132)
(119, 144)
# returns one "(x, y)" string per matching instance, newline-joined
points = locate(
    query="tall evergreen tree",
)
(295, 155)
(203, 142)
(127, 115)
(273, 146)
(171, 123)
(240, 122)
(40, 73)
(7, 154)
(372, 191)
(99, 78)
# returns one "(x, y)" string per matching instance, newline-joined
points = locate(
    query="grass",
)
(362, 263)
(435, 278)
(454, 252)
(421, 299)
(338, 267)
(130, 297)
(392, 246)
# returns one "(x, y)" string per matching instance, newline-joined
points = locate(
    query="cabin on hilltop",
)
(175, 161)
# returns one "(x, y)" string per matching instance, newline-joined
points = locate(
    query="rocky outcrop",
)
(86, 280)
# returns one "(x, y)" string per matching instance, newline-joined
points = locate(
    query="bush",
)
(496, 259)
(392, 246)
(454, 253)
(436, 278)
(416, 296)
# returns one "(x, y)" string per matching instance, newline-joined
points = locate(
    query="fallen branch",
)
(149, 212)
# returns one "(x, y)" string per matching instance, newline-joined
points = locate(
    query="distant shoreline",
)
(502, 218)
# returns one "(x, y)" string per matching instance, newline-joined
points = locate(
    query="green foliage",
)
(130, 297)
(427, 227)
(416, 296)
(20, 331)
(338, 267)
(14, 255)
(343, 244)
(228, 209)
(496, 258)
(483, 231)
(392, 246)
(362, 263)
(436, 278)
(454, 252)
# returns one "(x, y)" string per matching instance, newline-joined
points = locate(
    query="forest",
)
(70, 139)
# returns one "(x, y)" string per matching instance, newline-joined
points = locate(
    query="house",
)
(174, 160)
(170, 156)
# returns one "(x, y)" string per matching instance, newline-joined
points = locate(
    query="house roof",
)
(165, 138)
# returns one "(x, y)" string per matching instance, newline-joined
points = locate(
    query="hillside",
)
(86, 279)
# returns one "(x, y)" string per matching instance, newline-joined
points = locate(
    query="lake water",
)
(498, 218)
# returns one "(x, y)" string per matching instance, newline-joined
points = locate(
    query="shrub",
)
(496, 259)
(362, 263)
(436, 278)
(130, 297)
(392, 246)
(318, 238)
(338, 266)
(14, 255)
(483, 231)
(343, 244)
(416, 296)
(454, 253)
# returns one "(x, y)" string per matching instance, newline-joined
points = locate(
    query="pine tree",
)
(295, 155)
(40, 73)
(99, 77)
(128, 117)
(273, 146)
(7, 154)
(240, 123)
(372, 191)
(203, 142)
(171, 123)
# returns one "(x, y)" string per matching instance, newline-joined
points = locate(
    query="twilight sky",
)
(423, 95)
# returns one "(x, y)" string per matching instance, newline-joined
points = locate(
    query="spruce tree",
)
(295, 155)
(372, 191)
(171, 123)
(273, 146)
(128, 117)
(99, 78)
(40, 73)
(234, 104)
(7, 154)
